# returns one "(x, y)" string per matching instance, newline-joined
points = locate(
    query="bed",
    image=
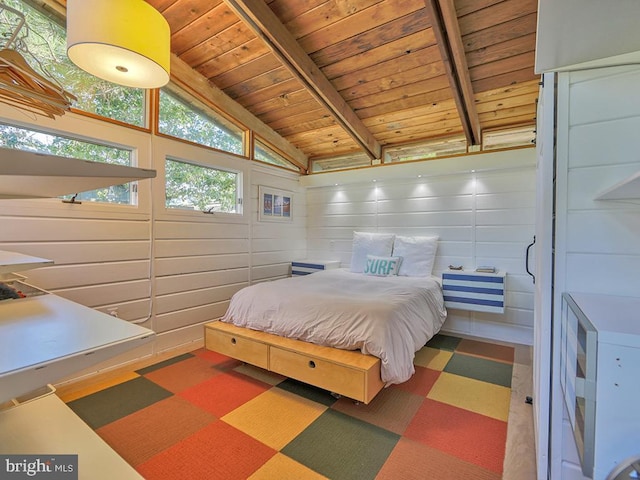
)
(351, 331)
(388, 319)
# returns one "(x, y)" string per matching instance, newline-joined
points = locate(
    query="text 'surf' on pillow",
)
(382, 266)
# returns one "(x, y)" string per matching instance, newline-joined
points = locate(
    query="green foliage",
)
(194, 187)
(180, 120)
(43, 43)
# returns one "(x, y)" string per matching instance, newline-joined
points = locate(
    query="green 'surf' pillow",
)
(382, 266)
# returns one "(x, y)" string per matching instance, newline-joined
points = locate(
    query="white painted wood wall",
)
(168, 270)
(597, 242)
(482, 217)
(173, 270)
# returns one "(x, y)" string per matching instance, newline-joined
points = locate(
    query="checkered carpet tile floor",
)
(202, 415)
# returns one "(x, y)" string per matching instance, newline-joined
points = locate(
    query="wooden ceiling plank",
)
(283, 90)
(191, 81)
(505, 65)
(512, 77)
(231, 37)
(407, 62)
(351, 25)
(509, 102)
(302, 127)
(465, 7)
(246, 52)
(246, 71)
(273, 106)
(305, 117)
(259, 82)
(510, 90)
(500, 33)
(426, 112)
(272, 31)
(407, 91)
(499, 51)
(426, 100)
(496, 14)
(303, 21)
(391, 82)
(422, 41)
(389, 32)
(445, 26)
(188, 15)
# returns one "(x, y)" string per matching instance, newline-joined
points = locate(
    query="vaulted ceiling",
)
(349, 77)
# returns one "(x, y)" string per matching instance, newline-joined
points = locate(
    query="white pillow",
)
(382, 266)
(418, 255)
(364, 243)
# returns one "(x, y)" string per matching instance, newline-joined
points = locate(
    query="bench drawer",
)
(331, 376)
(238, 347)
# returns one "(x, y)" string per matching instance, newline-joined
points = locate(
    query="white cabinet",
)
(600, 351)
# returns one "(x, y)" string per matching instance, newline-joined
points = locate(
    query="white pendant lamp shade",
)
(122, 41)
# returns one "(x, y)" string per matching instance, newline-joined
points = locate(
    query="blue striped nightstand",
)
(479, 292)
(305, 267)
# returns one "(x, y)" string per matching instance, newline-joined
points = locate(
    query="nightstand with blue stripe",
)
(306, 267)
(475, 291)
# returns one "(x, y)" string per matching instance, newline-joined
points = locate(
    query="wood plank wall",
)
(168, 270)
(597, 242)
(481, 218)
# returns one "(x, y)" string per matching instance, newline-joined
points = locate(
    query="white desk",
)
(45, 338)
(46, 426)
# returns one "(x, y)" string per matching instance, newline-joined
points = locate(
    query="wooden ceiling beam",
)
(447, 32)
(267, 26)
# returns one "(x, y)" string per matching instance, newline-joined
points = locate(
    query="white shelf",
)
(11, 262)
(32, 175)
(626, 190)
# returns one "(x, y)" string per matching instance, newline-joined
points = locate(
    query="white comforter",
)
(388, 317)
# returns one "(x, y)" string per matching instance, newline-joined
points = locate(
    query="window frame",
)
(296, 168)
(193, 99)
(170, 148)
(238, 199)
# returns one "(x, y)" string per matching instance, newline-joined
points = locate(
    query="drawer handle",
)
(312, 364)
(233, 341)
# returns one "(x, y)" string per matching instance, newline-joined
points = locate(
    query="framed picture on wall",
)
(274, 205)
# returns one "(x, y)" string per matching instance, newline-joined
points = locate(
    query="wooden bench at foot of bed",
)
(348, 373)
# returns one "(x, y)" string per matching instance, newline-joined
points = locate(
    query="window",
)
(179, 119)
(43, 43)
(515, 137)
(426, 150)
(23, 139)
(265, 154)
(195, 187)
(341, 162)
